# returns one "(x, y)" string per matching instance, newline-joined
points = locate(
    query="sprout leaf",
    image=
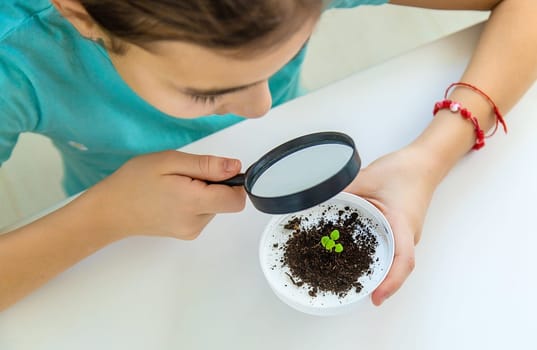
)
(334, 235)
(330, 245)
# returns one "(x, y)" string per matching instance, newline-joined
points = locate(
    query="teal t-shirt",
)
(56, 83)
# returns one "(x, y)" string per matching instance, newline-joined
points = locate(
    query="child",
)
(116, 83)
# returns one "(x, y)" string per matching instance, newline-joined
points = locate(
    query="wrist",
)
(459, 125)
(424, 164)
(94, 218)
(445, 141)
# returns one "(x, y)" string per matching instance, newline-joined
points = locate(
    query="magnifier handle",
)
(237, 180)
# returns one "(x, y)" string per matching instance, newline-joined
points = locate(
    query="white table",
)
(474, 285)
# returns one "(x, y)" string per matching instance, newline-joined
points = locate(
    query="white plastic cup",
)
(325, 303)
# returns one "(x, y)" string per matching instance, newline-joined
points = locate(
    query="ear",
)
(75, 13)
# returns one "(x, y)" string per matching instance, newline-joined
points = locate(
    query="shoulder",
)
(15, 13)
(19, 22)
(36, 44)
(18, 102)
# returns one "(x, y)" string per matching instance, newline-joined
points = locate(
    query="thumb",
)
(201, 167)
(361, 185)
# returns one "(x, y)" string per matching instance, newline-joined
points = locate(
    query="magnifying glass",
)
(300, 173)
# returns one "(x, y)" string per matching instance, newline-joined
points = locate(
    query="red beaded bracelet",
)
(455, 107)
(499, 117)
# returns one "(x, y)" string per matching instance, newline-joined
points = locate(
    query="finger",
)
(202, 167)
(360, 185)
(222, 199)
(402, 266)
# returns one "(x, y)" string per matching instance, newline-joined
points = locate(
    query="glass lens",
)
(302, 170)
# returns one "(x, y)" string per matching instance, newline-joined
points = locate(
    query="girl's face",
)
(187, 81)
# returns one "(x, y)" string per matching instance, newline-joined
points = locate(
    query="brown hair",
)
(233, 25)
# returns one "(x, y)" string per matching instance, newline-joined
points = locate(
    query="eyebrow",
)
(216, 92)
(223, 91)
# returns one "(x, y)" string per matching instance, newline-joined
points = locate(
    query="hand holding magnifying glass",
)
(300, 173)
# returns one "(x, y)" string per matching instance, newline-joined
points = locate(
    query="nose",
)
(254, 102)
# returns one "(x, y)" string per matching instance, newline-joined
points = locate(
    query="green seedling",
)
(329, 242)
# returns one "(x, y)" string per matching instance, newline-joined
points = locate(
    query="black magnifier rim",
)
(309, 197)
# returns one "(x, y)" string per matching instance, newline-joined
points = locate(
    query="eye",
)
(204, 99)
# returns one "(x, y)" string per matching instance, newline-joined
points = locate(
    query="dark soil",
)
(327, 271)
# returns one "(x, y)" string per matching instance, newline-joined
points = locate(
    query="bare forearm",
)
(504, 65)
(153, 194)
(33, 254)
